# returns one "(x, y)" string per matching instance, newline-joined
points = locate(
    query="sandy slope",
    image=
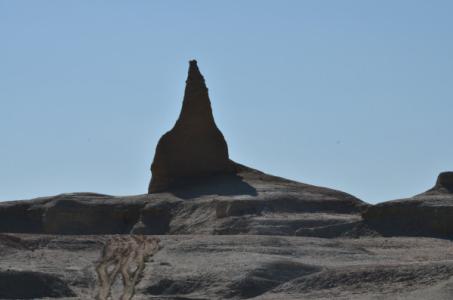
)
(243, 267)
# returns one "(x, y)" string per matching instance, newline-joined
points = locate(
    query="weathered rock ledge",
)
(426, 214)
(249, 202)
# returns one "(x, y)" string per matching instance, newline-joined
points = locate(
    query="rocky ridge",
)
(195, 188)
(225, 231)
(248, 202)
(426, 214)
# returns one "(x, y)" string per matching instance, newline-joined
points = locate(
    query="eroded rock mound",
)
(192, 163)
(195, 147)
(426, 214)
(249, 202)
(444, 184)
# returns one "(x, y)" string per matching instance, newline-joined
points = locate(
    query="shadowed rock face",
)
(426, 214)
(32, 285)
(195, 147)
(444, 182)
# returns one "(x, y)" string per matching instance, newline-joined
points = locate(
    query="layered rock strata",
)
(195, 189)
(250, 202)
(426, 214)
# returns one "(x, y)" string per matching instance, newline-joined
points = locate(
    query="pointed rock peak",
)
(445, 181)
(196, 109)
(194, 72)
(195, 147)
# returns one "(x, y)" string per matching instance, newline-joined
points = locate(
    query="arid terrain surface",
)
(236, 267)
(283, 240)
(210, 228)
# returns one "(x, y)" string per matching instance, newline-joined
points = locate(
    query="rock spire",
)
(194, 147)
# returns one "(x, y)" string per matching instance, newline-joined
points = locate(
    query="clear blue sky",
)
(353, 95)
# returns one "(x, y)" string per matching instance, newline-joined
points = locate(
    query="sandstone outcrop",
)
(426, 214)
(195, 147)
(275, 241)
(250, 202)
(444, 184)
(192, 163)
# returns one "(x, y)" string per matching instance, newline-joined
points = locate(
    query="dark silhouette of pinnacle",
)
(195, 147)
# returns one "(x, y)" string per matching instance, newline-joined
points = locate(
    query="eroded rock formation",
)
(427, 214)
(257, 216)
(231, 267)
(195, 147)
(250, 202)
(444, 183)
(191, 163)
